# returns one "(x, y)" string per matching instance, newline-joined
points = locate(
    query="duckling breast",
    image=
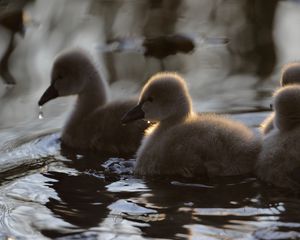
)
(279, 158)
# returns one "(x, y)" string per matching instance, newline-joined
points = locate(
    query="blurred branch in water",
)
(261, 15)
(158, 19)
(250, 30)
(4, 67)
(108, 11)
(162, 16)
(12, 19)
(161, 20)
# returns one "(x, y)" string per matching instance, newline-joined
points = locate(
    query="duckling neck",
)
(285, 123)
(93, 96)
(175, 119)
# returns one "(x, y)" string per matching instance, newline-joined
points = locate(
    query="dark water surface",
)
(51, 192)
(47, 192)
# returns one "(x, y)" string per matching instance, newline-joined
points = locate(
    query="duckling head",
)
(287, 107)
(290, 74)
(164, 97)
(69, 76)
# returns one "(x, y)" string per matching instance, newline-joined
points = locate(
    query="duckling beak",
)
(133, 114)
(48, 95)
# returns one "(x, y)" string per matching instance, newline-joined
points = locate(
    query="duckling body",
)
(208, 145)
(185, 143)
(290, 75)
(94, 124)
(279, 160)
(102, 131)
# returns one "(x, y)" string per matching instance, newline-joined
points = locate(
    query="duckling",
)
(279, 160)
(94, 123)
(290, 75)
(185, 143)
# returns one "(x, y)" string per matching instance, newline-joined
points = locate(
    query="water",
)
(47, 191)
(92, 197)
(41, 114)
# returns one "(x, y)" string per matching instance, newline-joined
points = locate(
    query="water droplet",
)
(41, 114)
(148, 122)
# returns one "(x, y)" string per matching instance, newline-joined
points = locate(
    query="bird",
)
(184, 143)
(162, 46)
(290, 74)
(279, 160)
(159, 47)
(94, 124)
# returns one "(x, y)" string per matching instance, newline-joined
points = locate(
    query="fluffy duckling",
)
(94, 124)
(184, 143)
(279, 160)
(290, 75)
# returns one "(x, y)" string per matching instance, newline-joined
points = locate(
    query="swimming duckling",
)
(279, 160)
(290, 75)
(185, 143)
(94, 124)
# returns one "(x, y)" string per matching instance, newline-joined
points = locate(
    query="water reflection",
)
(83, 201)
(228, 208)
(96, 196)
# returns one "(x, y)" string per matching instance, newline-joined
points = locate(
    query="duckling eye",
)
(150, 99)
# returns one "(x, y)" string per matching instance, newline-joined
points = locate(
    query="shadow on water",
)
(83, 201)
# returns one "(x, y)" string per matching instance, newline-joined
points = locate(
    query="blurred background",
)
(233, 62)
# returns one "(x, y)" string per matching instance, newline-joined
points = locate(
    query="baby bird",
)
(290, 75)
(279, 160)
(94, 124)
(184, 143)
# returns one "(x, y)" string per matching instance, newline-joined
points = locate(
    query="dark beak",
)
(48, 95)
(133, 114)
